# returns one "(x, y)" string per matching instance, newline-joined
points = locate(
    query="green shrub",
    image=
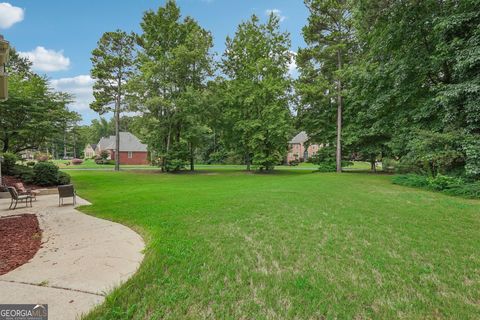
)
(446, 184)
(175, 165)
(411, 180)
(294, 162)
(467, 190)
(441, 182)
(30, 163)
(327, 166)
(471, 147)
(63, 178)
(331, 166)
(104, 154)
(9, 161)
(23, 173)
(45, 174)
(217, 157)
(389, 165)
(104, 161)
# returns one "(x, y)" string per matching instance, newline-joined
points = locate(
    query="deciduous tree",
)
(258, 85)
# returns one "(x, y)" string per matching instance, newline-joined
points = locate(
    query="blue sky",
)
(59, 35)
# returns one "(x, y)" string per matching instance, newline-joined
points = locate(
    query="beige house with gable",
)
(89, 151)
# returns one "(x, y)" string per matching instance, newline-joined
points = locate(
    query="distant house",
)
(297, 150)
(89, 151)
(132, 151)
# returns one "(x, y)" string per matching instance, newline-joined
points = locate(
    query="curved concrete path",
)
(82, 259)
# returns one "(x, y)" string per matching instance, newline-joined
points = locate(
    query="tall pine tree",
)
(112, 66)
(329, 36)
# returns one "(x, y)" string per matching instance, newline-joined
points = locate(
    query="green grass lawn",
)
(90, 164)
(224, 244)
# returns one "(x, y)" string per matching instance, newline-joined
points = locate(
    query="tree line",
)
(400, 77)
(378, 81)
(191, 103)
(390, 81)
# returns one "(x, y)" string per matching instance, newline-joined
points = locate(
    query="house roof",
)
(103, 143)
(301, 137)
(128, 142)
(92, 145)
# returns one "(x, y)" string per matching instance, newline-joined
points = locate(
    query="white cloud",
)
(9, 15)
(277, 13)
(81, 87)
(47, 60)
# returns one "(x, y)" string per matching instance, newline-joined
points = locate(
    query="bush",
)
(327, 166)
(104, 154)
(467, 190)
(104, 161)
(63, 178)
(411, 180)
(331, 166)
(389, 165)
(30, 163)
(77, 161)
(446, 184)
(175, 165)
(471, 147)
(45, 174)
(217, 157)
(9, 161)
(23, 173)
(441, 182)
(294, 163)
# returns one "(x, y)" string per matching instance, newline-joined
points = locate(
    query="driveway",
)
(82, 259)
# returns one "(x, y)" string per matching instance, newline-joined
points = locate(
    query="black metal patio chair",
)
(16, 198)
(66, 191)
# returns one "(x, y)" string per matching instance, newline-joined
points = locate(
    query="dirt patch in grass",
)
(20, 239)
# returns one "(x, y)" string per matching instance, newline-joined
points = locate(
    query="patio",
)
(81, 259)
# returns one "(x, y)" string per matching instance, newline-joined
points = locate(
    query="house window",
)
(130, 155)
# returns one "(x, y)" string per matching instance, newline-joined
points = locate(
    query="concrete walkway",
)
(82, 259)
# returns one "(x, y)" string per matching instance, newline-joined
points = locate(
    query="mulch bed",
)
(10, 181)
(20, 239)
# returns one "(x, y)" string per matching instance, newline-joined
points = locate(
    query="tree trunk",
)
(164, 159)
(117, 134)
(373, 166)
(192, 166)
(117, 141)
(339, 116)
(6, 144)
(65, 144)
(74, 146)
(247, 159)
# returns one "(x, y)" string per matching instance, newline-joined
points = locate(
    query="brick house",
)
(297, 150)
(132, 151)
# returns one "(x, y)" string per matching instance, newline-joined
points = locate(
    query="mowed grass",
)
(90, 164)
(224, 244)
